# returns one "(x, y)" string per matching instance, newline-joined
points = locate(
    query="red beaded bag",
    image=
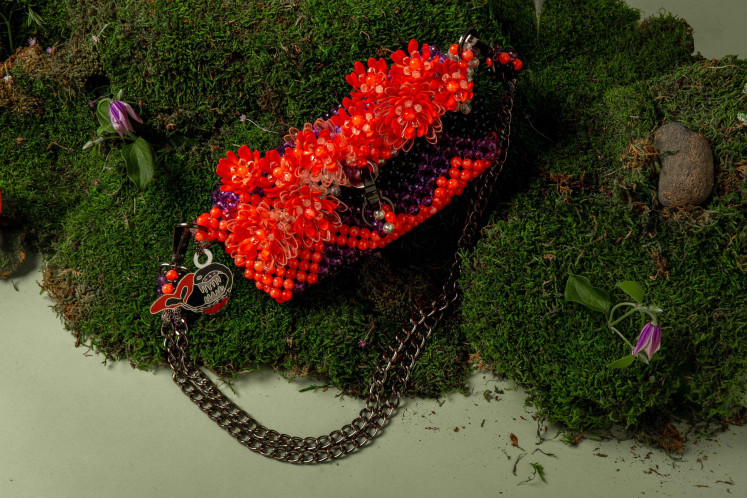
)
(396, 151)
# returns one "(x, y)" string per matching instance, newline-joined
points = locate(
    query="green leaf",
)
(578, 289)
(107, 128)
(623, 362)
(633, 289)
(140, 163)
(102, 113)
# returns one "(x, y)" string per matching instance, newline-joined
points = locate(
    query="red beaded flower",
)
(287, 216)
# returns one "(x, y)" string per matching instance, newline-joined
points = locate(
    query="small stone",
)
(686, 159)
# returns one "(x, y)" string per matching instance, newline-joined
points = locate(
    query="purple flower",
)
(362, 343)
(118, 111)
(95, 182)
(32, 42)
(95, 39)
(90, 103)
(242, 118)
(50, 50)
(649, 340)
(8, 79)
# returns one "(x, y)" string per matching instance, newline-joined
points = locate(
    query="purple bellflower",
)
(649, 340)
(118, 111)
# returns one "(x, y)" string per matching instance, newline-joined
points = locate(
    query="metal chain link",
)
(390, 378)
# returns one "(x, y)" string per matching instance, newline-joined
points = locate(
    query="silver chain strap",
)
(389, 380)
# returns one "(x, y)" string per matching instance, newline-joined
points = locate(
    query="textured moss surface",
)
(195, 67)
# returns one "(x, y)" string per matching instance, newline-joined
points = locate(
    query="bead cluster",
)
(279, 214)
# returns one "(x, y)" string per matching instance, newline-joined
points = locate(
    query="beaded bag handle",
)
(255, 198)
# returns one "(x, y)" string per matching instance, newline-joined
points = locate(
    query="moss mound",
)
(597, 215)
(195, 67)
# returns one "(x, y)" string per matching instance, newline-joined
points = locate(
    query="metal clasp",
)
(372, 197)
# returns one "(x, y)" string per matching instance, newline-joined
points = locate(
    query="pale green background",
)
(71, 427)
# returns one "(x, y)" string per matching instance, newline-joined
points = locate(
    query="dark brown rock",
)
(686, 176)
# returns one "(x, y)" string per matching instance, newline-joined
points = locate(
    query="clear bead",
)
(379, 214)
(388, 228)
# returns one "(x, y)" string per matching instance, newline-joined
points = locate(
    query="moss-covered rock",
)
(592, 87)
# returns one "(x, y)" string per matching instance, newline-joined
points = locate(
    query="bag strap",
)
(390, 379)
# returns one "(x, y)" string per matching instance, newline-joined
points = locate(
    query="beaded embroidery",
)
(280, 215)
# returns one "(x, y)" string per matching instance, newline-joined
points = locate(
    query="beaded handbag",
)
(410, 137)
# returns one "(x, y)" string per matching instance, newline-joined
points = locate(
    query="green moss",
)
(195, 67)
(611, 229)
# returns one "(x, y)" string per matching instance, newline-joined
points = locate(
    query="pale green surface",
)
(72, 427)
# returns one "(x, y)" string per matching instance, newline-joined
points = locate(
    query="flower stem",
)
(10, 33)
(621, 336)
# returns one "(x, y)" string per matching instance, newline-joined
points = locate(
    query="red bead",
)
(212, 234)
(503, 58)
(352, 242)
(259, 285)
(249, 273)
(266, 279)
(200, 235)
(306, 254)
(453, 184)
(390, 217)
(316, 257)
(354, 231)
(303, 266)
(280, 271)
(258, 266)
(213, 223)
(363, 245)
(467, 164)
(467, 55)
(439, 192)
(167, 289)
(202, 220)
(301, 276)
(341, 240)
(454, 173)
(456, 162)
(365, 233)
(465, 175)
(319, 246)
(215, 212)
(287, 295)
(222, 236)
(312, 278)
(275, 293)
(288, 284)
(277, 282)
(293, 263)
(314, 267)
(454, 49)
(518, 64)
(172, 275)
(441, 181)
(290, 274)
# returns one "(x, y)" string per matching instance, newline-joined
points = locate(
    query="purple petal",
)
(644, 338)
(120, 121)
(131, 112)
(653, 345)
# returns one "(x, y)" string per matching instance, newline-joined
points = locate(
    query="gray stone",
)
(686, 166)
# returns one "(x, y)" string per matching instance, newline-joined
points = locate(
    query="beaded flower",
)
(279, 214)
